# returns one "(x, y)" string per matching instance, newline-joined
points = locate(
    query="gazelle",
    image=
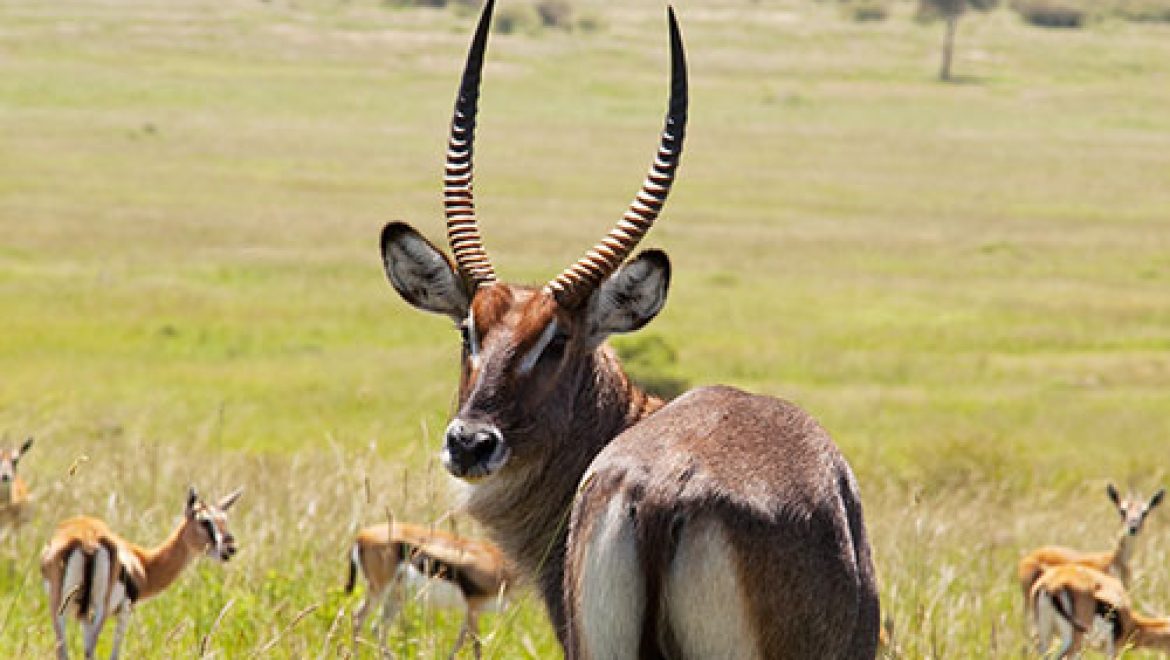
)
(15, 507)
(1133, 513)
(1066, 596)
(390, 554)
(92, 572)
(1069, 596)
(721, 524)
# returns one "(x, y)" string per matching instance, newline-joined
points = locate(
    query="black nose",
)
(5, 477)
(469, 445)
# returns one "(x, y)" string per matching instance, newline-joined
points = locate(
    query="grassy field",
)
(969, 284)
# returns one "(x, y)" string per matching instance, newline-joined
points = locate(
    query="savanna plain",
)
(967, 283)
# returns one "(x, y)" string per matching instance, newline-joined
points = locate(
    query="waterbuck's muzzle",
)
(473, 450)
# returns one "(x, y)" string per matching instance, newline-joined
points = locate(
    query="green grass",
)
(966, 283)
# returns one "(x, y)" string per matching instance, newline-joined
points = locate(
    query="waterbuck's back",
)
(724, 525)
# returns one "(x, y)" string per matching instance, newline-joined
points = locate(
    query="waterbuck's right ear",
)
(421, 273)
(630, 297)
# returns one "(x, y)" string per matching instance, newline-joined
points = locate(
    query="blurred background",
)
(941, 227)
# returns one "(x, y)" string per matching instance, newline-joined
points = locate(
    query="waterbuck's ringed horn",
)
(572, 287)
(458, 201)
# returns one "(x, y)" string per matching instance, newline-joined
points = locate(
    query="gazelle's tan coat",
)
(1073, 600)
(721, 524)
(384, 554)
(1133, 512)
(15, 504)
(91, 573)
(1064, 602)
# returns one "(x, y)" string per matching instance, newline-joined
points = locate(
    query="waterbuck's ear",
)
(230, 499)
(1156, 499)
(630, 297)
(421, 273)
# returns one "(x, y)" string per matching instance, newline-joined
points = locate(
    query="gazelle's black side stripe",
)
(128, 584)
(438, 569)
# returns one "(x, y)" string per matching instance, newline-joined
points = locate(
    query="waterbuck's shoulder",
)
(723, 442)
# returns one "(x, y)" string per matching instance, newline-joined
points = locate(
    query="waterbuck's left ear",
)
(631, 297)
(230, 499)
(421, 273)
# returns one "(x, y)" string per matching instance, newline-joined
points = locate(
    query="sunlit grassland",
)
(969, 284)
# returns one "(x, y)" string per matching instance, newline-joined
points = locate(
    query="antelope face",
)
(8, 462)
(529, 353)
(207, 528)
(1133, 510)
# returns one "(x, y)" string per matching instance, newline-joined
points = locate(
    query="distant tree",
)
(950, 11)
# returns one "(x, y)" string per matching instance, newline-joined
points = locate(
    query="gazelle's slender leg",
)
(391, 600)
(1042, 611)
(98, 599)
(467, 623)
(58, 615)
(120, 629)
(363, 612)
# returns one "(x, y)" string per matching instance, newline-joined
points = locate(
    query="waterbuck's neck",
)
(527, 511)
(162, 564)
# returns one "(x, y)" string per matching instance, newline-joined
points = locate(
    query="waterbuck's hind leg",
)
(605, 590)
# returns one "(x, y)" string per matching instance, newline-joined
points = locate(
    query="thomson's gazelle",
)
(14, 500)
(1064, 600)
(1076, 600)
(1133, 512)
(387, 555)
(91, 572)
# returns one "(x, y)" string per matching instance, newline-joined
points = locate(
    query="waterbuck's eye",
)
(556, 347)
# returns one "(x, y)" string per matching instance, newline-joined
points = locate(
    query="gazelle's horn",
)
(572, 287)
(462, 227)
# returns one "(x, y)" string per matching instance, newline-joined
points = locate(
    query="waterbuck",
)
(719, 525)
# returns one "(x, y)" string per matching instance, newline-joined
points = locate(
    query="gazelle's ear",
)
(192, 498)
(1113, 495)
(1156, 499)
(421, 273)
(26, 446)
(230, 499)
(631, 297)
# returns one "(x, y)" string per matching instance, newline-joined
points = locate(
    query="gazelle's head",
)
(9, 458)
(531, 354)
(207, 530)
(1133, 510)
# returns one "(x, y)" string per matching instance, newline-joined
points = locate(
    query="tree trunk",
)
(944, 73)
